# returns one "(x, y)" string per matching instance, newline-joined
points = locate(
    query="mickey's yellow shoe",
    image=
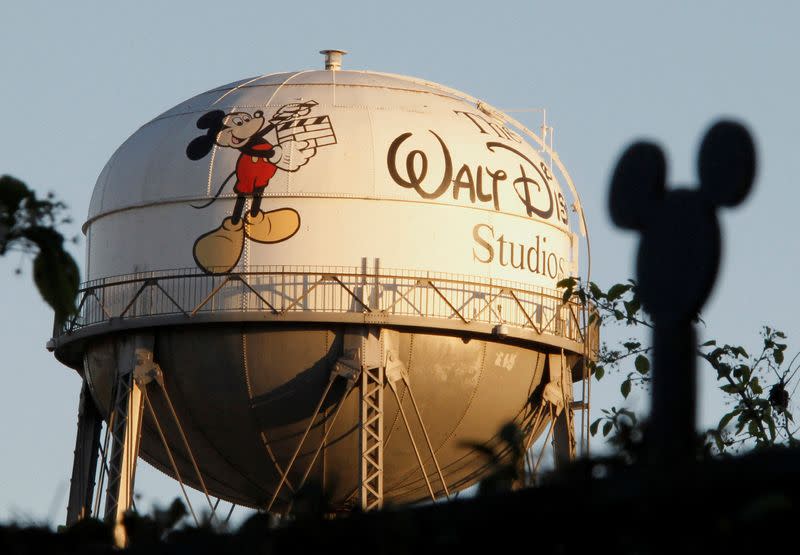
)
(218, 251)
(273, 226)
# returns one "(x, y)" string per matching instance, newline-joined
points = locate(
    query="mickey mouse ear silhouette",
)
(200, 146)
(637, 185)
(211, 120)
(727, 163)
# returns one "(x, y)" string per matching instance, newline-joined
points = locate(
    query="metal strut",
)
(154, 373)
(560, 396)
(396, 371)
(371, 444)
(339, 370)
(537, 421)
(84, 467)
(126, 422)
(274, 460)
(103, 467)
(285, 473)
(351, 375)
(551, 410)
(556, 407)
(171, 458)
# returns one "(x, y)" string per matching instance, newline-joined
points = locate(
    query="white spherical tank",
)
(392, 170)
(286, 241)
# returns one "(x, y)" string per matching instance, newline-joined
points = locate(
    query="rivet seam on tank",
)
(372, 145)
(245, 366)
(242, 85)
(471, 397)
(260, 105)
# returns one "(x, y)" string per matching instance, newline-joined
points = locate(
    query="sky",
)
(79, 77)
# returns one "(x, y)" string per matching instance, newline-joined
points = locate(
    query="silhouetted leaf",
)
(57, 277)
(632, 307)
(746, 372)
(778, 396)
(29, 223)
(617, 291)
(625, 388)
(725, 420)
(642, 364)
(723, 370)
(12, 193)
(566, 282)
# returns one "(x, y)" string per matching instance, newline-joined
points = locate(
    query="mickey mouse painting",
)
(287, 141)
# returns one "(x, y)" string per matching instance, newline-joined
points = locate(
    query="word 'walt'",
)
(470, 181)
(533, 257)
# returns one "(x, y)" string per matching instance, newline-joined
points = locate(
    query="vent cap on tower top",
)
(333, 59)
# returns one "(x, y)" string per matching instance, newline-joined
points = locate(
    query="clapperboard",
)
(317, 130)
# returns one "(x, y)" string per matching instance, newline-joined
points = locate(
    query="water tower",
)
(340, 276)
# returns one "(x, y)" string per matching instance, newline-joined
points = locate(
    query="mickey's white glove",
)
(290, 156)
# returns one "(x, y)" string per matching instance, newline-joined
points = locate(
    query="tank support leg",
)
(135, 362)
(563, 430)
(351, 376)
(343, 368)
(84, 466)
(396, 371)
(369, 349)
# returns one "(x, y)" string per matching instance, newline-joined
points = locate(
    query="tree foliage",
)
(505, 460)
(29, 224)
(757, 388)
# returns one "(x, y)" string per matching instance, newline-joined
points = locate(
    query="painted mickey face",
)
(239, 128)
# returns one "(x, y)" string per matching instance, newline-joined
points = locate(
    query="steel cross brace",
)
(370, 356)
(135, 369)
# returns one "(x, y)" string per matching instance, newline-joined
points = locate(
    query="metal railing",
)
(290, 290)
